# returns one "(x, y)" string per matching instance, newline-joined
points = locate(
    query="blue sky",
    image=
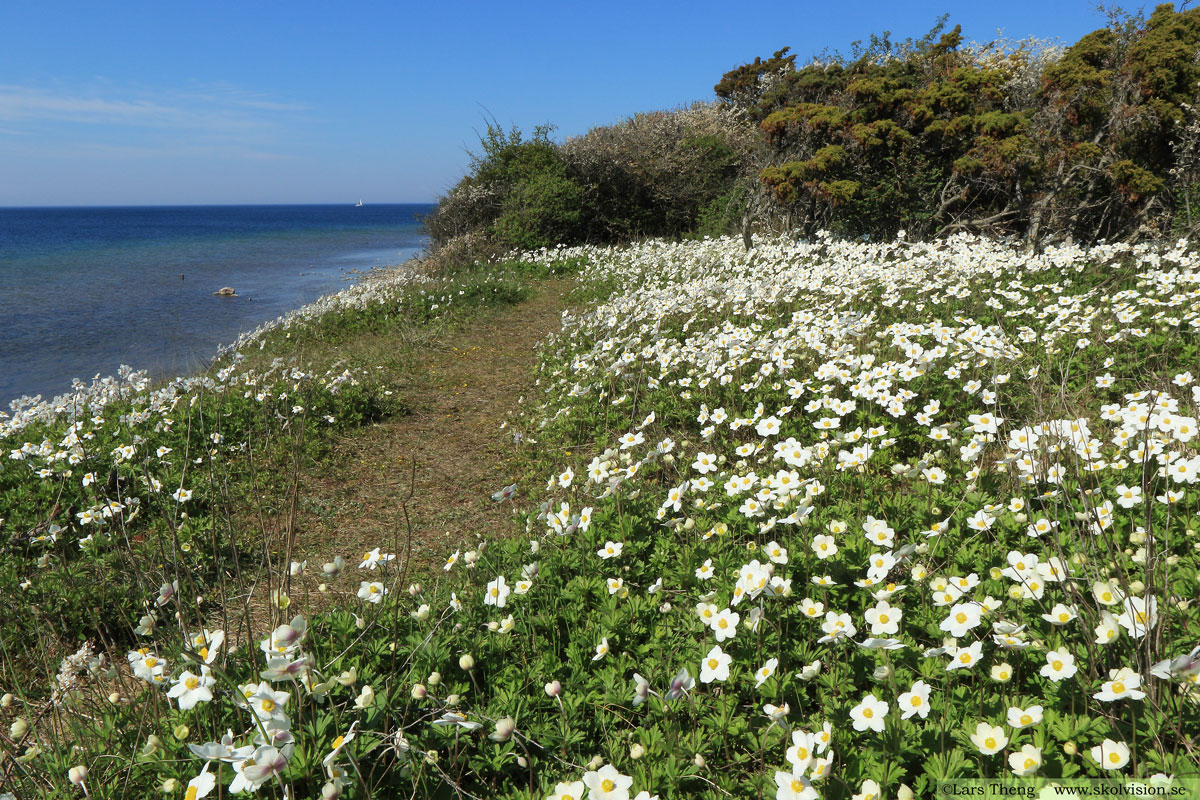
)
(112, 103)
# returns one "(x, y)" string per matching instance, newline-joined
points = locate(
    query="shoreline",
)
(366, 287)
(91, 289)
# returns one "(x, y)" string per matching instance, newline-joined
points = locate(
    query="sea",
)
(86, 290)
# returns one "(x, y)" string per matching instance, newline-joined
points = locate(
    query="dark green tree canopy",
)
(933, 136)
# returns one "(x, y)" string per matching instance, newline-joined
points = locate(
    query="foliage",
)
(518, 191)
(795, 440)
(934, 136)
(652, 174)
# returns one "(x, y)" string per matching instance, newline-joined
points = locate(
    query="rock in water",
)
(225, 291)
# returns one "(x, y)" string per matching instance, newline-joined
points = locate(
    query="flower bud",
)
(7, 700)
(419, 691)
(522, 762)
(698, 760)
(114, 697)
(553, 688)
(1137, 587)
(1069, 748)
(414, 589)
(181, 732)
(77, 775)
(466, 662)
(637, 751)
(434, 678)
(453, 700)
(905, 792)
(170, 786)
(596, 762)
(19, 728)
(504, 729)
(431, 756)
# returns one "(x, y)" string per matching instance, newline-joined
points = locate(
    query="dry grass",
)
(442, 460)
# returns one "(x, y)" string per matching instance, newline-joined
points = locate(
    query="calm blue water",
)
(84, 290)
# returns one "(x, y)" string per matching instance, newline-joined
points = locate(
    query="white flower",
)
(915, 701)
(963, 617)
(1123, 683)
(705, 463)
(869, 714)
(1140, 615)
(1110, 755)
(497, 593)
(801, 753)
(809, 671)
(824, 546)
(1059, 665)
(190, 689)
(610, 550)
(883, 619)
(836, 626)
(724, 624)
(794, 787)
(373, 558)
(567, 791)
(989, 739)
(201, 785)
(1024, 717)
(1025, 761)
(265, 702)
(371, 591)
(607, 784)
(601, 649)
(715, 665)
(765, 671)
(1060, 615)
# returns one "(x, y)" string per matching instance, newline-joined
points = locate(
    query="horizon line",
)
(5, 207)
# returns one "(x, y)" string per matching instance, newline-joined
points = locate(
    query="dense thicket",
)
(663, 173)
(1097, 140)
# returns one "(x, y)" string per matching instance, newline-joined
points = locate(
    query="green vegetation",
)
(655, 174)
(934, 136)
(952, 485)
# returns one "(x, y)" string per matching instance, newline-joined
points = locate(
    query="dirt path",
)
(459, 395)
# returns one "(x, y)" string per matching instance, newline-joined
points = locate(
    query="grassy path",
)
(459, 390)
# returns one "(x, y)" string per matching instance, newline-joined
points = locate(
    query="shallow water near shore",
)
(84, 290)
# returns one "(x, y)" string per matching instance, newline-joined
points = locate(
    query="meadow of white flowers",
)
(820, 520)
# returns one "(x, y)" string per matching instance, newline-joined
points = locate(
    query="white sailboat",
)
(358, 204)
